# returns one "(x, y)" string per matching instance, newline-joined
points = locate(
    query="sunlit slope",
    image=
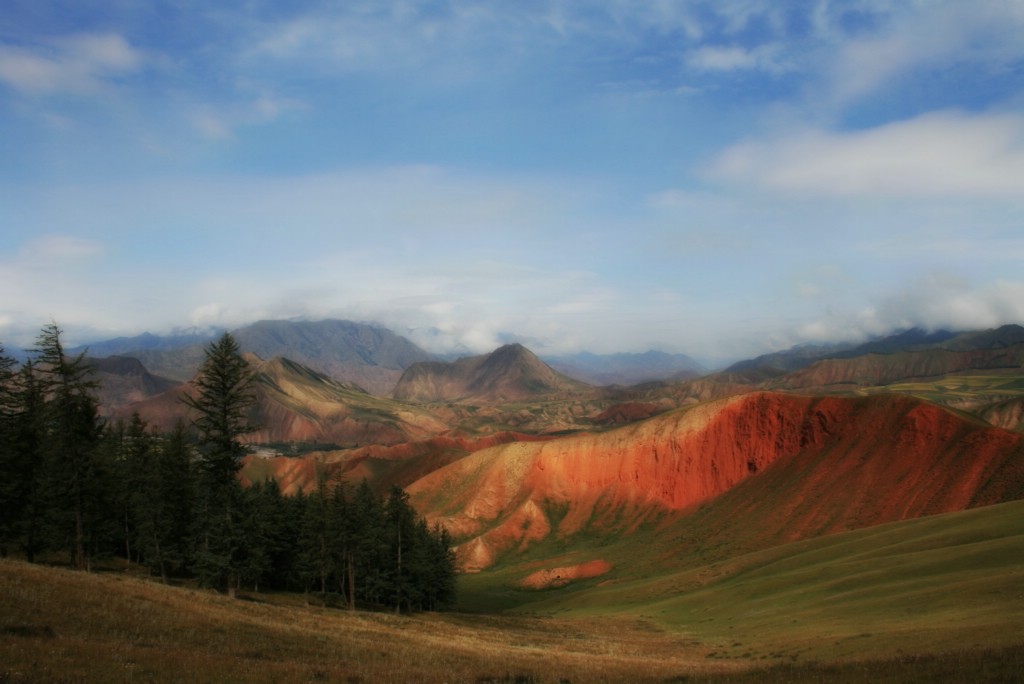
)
(297, 404)
(771, 468)
(932, 584)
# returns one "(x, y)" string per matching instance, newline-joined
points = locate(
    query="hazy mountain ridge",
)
(912, 340)
(625, 368)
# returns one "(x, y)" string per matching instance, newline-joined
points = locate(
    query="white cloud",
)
(933, 155)
(719, 58)
(80, 63)
(936, 301)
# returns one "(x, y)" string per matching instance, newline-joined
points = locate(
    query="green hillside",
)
(929, 585)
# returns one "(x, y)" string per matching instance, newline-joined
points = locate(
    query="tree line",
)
(78, 487)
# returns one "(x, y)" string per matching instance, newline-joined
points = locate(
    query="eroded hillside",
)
(844, 463)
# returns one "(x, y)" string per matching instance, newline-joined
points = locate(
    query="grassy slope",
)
(59, 625)
(927, 585)
(869, 605)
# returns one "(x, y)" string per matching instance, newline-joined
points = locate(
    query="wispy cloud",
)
(82, 63)
(919, 38)
(733, 58)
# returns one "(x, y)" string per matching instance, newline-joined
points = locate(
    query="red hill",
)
(819, 464)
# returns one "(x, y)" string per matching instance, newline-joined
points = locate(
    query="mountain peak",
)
(509, 373)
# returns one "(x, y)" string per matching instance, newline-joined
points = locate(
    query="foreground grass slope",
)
(58, 625)
(931, 599)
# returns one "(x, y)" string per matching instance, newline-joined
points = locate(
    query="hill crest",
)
(510, 373)
(867, 461)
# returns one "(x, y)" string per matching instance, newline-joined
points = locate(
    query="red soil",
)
(865, 461)
(382, 465)
(559, 577)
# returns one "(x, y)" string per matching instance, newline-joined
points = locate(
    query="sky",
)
(719, 178)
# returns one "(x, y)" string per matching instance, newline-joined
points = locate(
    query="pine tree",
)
(11, 485)
(279, 530)
(176, 487)
(369, 546)
(440, 581)
(75, 428)
(400, 521)
(316, 537)
(222, 405)
(25, 471)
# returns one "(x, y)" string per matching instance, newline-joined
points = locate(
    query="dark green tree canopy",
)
(222, 403)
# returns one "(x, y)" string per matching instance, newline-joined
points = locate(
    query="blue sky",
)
(715, 178)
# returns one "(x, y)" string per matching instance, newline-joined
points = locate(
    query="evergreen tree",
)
(145, 503)
(442, 570)
(342, 549)
(74, 471)
(12, 486)
(317, 560)
(175, 483)
(400, 521)
(254, 558)
(221, 404)
(369, 546)
(25, 469)
(280, 527)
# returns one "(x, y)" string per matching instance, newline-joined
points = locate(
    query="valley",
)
(812, 516)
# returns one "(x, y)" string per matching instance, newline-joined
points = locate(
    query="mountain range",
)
(562, 494)
(508, 452)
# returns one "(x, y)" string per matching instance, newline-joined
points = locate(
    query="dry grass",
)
(58, 625)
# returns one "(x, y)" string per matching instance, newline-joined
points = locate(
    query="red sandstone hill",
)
(382, 466)
(510, 373)
(297, 404)
(808, 465)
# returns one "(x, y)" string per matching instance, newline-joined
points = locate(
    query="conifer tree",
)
(279, 533)
(25, 470)
(316, 539)
(222, 405)
(400, 520)
(75, 429)
(369, 545)
(176, 491)
(11, 485)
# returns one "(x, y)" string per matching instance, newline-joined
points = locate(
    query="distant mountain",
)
(914, 339)
(298, 404)
(791, 359)
(626, 368)
(510, 373)
(806, 466)
(888, 361)
(124, 380)
(369, 355)
(128, 346)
